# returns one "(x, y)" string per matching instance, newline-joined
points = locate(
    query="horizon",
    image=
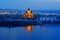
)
(31, 9)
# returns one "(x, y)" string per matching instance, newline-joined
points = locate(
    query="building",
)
(28, 14)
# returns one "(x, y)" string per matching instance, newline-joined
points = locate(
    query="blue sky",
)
(33, 4)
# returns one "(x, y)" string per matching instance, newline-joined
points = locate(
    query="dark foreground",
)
(23, 23)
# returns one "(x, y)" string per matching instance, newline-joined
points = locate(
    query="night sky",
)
(32, 4)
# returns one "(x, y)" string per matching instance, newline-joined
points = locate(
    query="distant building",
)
(7, 11)
(28, 14)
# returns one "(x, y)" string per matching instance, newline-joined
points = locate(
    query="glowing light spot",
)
(29, 28)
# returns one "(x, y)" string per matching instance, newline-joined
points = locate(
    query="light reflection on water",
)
(31, 32)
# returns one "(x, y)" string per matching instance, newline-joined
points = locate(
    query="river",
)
(31, 32)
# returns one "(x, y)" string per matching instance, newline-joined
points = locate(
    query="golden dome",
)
(28, 14)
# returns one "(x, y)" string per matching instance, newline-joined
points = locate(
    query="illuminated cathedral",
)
(28, 14)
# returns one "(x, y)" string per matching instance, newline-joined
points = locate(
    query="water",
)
(31, 32)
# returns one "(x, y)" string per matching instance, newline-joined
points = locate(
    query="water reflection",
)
(29, 28)
(31, 32)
